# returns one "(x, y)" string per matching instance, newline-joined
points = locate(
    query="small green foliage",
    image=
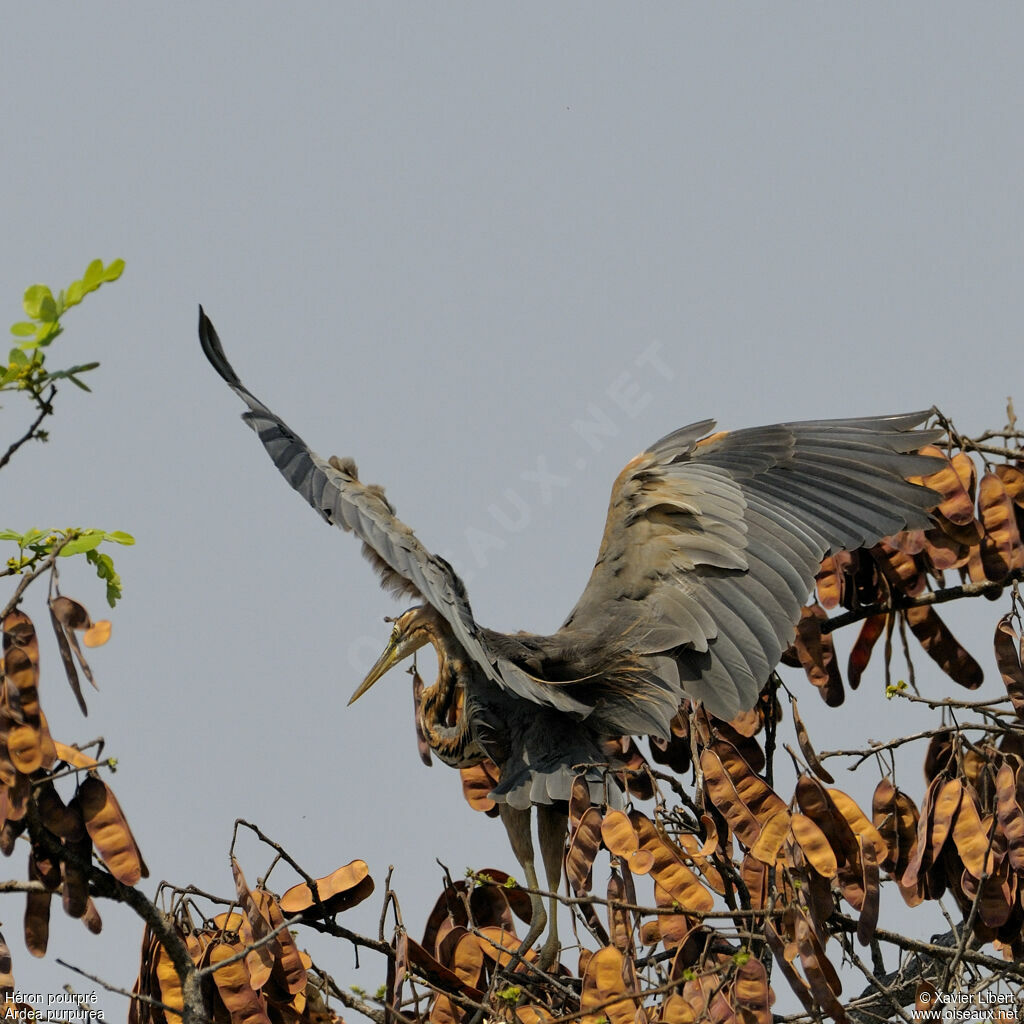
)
(26, 369)
(359, 991)
(510, 995)
(893, 689)
(87, 540)
(34, 546)
(689, 974)
(105, 570)
(740, 958)
(381, 994)
(40, 304)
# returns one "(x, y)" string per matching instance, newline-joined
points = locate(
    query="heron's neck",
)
(447, 726)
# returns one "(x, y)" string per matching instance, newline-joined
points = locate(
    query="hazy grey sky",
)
(444, 240)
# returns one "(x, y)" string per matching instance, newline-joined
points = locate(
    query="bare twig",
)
(45, 409)
(883, 990)
(922, 600)
(110, 987)
(44, 566)
(877, 747)
(17, 886)
(353, 1003)
(941, 947)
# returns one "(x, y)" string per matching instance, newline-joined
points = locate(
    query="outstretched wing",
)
(711, 546)
(333, 488)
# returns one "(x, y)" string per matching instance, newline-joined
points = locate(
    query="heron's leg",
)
(551, 826)
(520, 836)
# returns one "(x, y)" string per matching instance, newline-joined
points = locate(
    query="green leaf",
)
(120, 537)
(71, 370)
(93, 276)
(104, 564)
(105, 570)
(39, 303)
(23, 329)
(70, 374)
(76, 292)
(45, 333)
(86, 542)
(18, 358)
(113, 270)
(10, 535)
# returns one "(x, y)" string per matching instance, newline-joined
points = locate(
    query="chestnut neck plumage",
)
(445, 712)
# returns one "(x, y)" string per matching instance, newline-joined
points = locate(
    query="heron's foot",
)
(538, 920)
(549, 952)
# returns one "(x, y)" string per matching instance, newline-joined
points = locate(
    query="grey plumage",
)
(709, 550)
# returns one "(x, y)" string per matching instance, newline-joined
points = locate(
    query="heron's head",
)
(411, 631)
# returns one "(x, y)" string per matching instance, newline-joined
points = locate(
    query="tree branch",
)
(105, 885)
(943, 947)
(986, 589)
(45, 409)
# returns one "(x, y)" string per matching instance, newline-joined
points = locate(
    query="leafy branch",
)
(39, 547)
(26, 370)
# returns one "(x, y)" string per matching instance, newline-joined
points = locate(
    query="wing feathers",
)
(732, 529)
(337, 495)
(844, 521)
(710, 547)
(741, 622)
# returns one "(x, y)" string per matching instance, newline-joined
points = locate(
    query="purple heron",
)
(709, 551)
